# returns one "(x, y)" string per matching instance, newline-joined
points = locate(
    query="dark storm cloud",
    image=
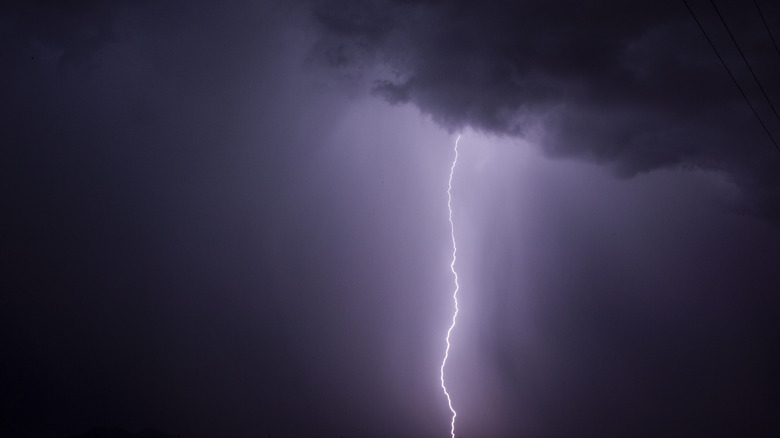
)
(644, 312)
(635, 86)
(203, 235)
(68, 34)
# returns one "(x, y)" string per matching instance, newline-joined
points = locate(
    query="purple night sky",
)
(229, 219)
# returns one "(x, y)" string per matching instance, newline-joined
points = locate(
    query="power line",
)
(742, 54)
(741, 91)
(766, 26)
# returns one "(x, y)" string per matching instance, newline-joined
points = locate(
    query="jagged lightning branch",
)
(457, 286)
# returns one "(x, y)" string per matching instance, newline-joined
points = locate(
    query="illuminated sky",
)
(231, 220)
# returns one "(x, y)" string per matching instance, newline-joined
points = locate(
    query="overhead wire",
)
(744, 58)
(733, 78)
(766, 26)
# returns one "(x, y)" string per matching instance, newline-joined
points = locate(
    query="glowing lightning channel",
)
(457, 286)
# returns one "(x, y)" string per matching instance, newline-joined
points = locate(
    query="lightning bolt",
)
(457, 286)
